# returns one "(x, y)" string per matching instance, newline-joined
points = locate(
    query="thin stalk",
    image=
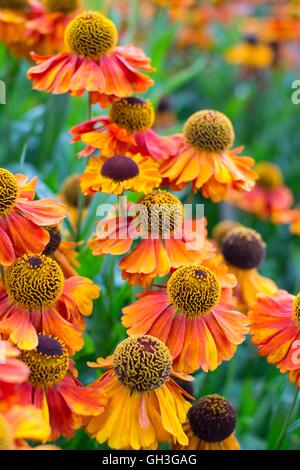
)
(287, 421)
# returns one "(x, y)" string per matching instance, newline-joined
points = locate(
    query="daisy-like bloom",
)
(45, 33)
(128, 128)
(120, 173)
(211, 425)
(92, 63)
(144, 401)
(244, 250)
(37, 299)
(275, 328)
(53, 387)
(18, 423)
(168, 242)
(205, 159)
(63, 251)
(22, 219)
(269, 195)
(250, 53)
(194, 315)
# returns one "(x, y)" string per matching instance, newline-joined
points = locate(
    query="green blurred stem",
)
(287, 421)
(81, 198)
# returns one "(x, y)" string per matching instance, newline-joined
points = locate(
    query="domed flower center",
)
(161, 212)
(61, 6)
(120, 168)
(54, 242)
(269, 175)
(8, 191)
(34, 282)
(6, 439)
(71, 190)
(142, 363)
(13, 4)
(48, 363)
(243, 248)
(213, 418)
(297, 307)
(91, 34)
(194, 290)
(209, 131)
(133, 114)
(221, 230)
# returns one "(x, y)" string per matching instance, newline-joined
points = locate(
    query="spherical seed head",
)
(221, 230)
(243, 248)
(91, 35)
(213, 418)
(48, 363)
(71, 190)
(194, 290)
(120, 168)
(14, 4)
(269, 175)
(34, 282)
(297, 307)
(142, 363)
(133, 114)
(209, 131)
(54, 242)
(8, 191)
(6, 438)
(161, 212)
(61, 6)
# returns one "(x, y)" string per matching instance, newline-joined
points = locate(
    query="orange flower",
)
(168, 243)
(45, 33)
(194, 315)
(12, 373)
(291, 217)
(128, 128)
(22, 422)
(92, 63)
(210, 425)
(120, 173)
(53, 387)
(22, 219)
(275, 328)
(250, 53)
(269, 196)
(37, 299)
(145, 405)
(204, 158)
(244, 250)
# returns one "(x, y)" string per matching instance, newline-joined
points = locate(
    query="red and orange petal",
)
(21, 229)
(65, 404)
(262, 202)
(112, 75)
(145, 418)
(250, 284)
(67, 257)
(22, 422)
(202, 341)
(214, 173)
(291, 217)
(195, 443)
(275, 328)
(12, 370)
(64, 319)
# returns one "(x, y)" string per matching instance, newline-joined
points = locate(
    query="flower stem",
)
(287, 421)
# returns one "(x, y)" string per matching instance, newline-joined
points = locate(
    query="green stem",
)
(81, 198)
(287, 421)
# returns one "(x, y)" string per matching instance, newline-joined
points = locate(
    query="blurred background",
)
(238, 57)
